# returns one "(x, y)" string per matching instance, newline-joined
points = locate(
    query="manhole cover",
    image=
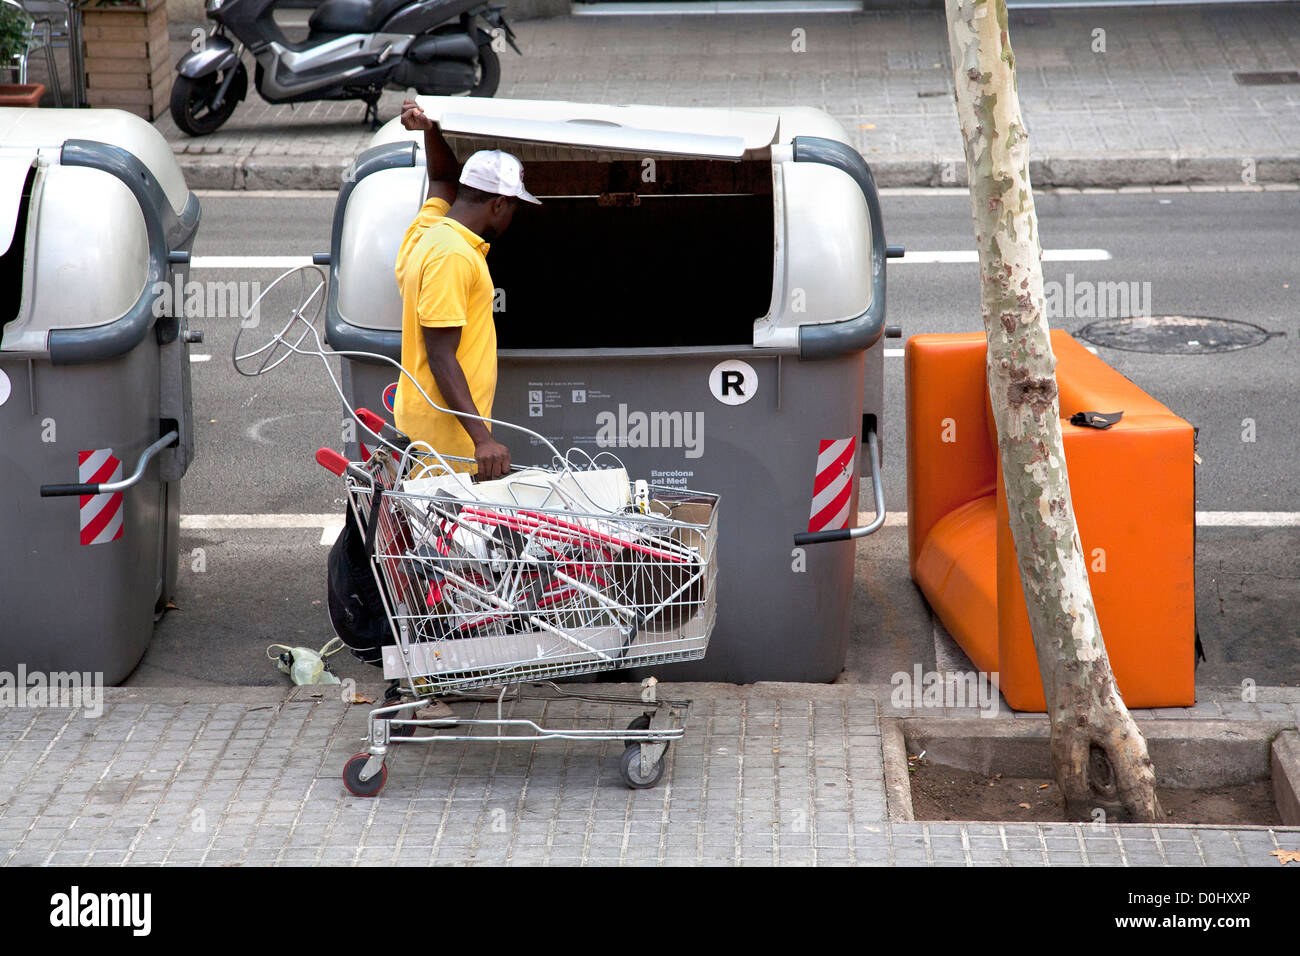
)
(1267, 78)
(1174, 334)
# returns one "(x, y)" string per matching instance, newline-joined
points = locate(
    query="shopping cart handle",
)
(372, 421)
(380, 427)
(332, 461)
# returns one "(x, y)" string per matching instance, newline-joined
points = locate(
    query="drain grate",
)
(1267, 78)
(1175, 334)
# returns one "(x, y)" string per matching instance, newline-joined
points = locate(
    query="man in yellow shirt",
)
(449, 342)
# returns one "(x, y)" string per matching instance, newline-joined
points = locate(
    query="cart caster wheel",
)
(641, 723)
(638, 723)
(352, 777)
(630, 769)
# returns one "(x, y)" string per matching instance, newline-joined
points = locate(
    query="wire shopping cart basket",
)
(558, 571)
(541, 575)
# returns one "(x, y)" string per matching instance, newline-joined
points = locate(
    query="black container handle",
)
(878, 492)
(65, 491)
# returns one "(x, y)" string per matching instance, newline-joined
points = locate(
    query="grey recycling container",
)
(95, 220)
(702, 293)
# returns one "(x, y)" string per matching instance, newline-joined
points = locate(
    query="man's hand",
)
(493, 459)
(413, 117)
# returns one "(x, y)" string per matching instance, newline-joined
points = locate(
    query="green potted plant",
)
(128, 64)
(15, 34)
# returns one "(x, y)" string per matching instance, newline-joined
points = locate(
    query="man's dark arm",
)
(493, 458)
(444, 168)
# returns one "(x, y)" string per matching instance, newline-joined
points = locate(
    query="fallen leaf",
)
(360, 699)
(173, 606)
(1286, 856)
(1023, 805)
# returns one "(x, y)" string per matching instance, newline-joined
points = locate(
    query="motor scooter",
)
(354, 50)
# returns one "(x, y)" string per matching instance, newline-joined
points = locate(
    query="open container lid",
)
(824, 247)
(550, 126)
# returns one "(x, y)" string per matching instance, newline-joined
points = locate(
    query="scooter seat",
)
(352, 16)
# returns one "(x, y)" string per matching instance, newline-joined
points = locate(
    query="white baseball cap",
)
(494, 171)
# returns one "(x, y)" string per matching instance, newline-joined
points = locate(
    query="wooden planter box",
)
(128, 65)
(21, 94)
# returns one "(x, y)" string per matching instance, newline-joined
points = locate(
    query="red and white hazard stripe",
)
(833, 485)
(101, 515)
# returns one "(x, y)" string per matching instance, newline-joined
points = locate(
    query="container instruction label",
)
(592, 417)
(553, 396)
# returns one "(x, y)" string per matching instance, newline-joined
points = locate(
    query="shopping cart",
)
(558, 571)
(545, 574)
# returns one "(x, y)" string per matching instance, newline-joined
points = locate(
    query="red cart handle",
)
(332, 461)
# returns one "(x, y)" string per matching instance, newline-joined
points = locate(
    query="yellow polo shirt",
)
(443, 276)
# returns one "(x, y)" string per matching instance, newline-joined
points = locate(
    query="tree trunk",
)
(1099, 756)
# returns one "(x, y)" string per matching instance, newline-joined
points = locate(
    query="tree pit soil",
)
(944, 793)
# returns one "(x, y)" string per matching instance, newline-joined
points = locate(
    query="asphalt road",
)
(1222, 254)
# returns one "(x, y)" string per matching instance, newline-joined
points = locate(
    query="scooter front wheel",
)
(489, 68)
(191, 100)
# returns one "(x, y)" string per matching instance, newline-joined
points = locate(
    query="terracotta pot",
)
(21, 94)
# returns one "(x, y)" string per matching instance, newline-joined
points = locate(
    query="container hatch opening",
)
(646, 238)
(17, 180)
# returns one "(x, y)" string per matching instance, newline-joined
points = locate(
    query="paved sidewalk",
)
(767, 774)
(1158, 106)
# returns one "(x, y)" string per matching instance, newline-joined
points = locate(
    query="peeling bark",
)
(1099, 756)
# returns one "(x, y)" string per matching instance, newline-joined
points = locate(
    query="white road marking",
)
(258, 522)
(913, 257)
(249, 262)
(1204, 519)
(330, 525)
(1248, 519)
(893, 519)
(898, 353)
(940, 191)
(955, 191)
(924, 257)
(267, 193)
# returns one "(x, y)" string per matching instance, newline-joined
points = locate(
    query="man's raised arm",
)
(444, 168)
